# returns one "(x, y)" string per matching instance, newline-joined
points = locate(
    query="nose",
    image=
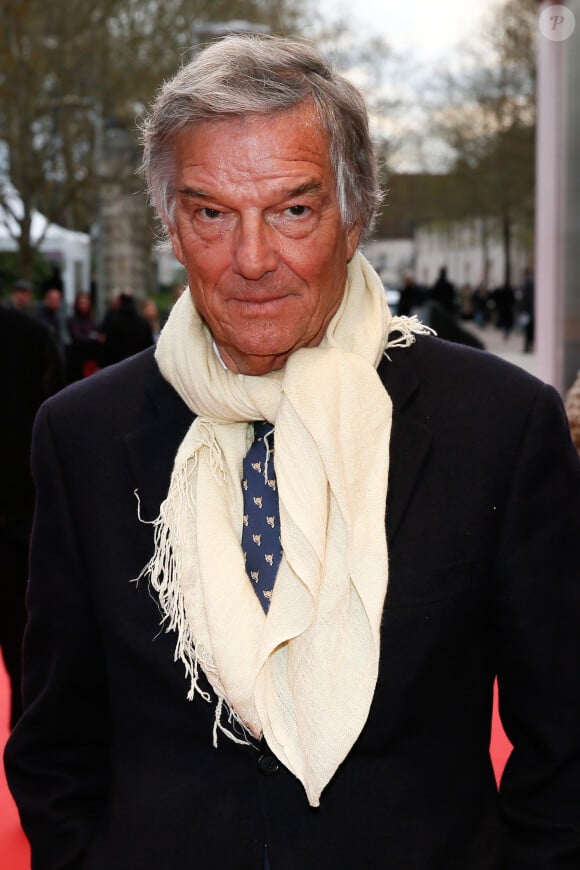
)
(255, 252)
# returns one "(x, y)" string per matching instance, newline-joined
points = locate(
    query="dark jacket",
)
(30, 371)
(125, 333)
(113, 769)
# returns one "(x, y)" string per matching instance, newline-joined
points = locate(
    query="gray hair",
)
(256, 74)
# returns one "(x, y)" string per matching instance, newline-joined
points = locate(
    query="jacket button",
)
(268, 764)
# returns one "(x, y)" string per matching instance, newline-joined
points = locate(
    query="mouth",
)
(263, 303)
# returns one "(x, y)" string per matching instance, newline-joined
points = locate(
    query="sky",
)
(426, 29)
(426, 35)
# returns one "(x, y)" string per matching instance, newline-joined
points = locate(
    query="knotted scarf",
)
(304, 675)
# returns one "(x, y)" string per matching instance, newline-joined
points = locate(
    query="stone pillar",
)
(125, 219)
(571, 240)
(558, 205)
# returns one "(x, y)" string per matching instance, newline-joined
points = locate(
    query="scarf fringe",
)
(406, 330)
(162, 572)
(207, 439)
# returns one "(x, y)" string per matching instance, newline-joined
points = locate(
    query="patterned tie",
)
(261, 529)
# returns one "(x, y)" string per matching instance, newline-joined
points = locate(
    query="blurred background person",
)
(21, 296)
(125, 331)
(84, 346)
(446, 324)
(30, 371)
(504, 301)
(51, 314)
(526, 303)
(480, 304)
(465, 302)
(151, 313)
(443, 291)
(411, 296)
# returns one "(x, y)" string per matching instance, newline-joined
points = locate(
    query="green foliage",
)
(71, 71)
(11, 270)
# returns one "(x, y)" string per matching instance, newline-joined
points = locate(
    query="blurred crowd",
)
(84, 342)
(448, 308)
(43, 347)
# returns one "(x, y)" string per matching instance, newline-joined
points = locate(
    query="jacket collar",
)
(152, 446)
(410, 435)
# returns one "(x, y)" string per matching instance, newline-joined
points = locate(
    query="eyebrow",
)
(187, 191)
(307, 187)
(310, 186)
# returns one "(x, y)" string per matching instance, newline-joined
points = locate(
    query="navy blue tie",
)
(261, 528)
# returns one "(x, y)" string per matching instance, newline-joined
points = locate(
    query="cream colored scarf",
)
(305, 674)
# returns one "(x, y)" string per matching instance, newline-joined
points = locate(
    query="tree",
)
(487, 117)
(66, 78)
(370, 63)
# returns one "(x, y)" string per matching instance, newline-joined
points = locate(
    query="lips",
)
(265, 306)
(263, 299)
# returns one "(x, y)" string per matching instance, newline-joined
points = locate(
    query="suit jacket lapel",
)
(153, 445)
(410, 436)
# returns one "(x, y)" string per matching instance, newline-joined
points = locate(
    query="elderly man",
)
(242, 652)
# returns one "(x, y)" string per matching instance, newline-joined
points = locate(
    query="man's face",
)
(53, 299)
(258, 229)
(22, 298)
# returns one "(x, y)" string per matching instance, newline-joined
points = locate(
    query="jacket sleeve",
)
(537, 625)
(57, 758)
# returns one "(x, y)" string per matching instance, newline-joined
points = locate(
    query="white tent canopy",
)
(67, 249)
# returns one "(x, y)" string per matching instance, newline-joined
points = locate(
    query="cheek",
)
(326, 278)
(205, 298)
(208, 297)
(310, 262)
(205, 264)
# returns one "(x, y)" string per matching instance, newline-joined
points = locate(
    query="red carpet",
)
(14, 851)
(500, 746)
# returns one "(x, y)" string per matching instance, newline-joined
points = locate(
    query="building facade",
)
(470, 250)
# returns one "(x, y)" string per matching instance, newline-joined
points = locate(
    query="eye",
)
(298, 210)
(209, 214)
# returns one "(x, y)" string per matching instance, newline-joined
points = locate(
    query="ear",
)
(352, 240)
(176, 243)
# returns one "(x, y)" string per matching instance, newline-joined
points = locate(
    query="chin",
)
(265, 342)
(258, 359)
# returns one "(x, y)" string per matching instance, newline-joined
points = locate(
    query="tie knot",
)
(263, 436)
(262, 429)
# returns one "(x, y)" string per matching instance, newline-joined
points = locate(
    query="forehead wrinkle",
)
(310, 186)
(271, 165)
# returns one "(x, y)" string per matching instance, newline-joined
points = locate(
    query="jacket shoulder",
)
(452, 372)
(115, 399)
